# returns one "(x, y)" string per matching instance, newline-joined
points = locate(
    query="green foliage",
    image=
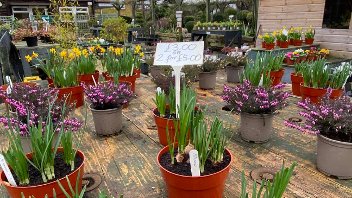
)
(230, 11)
(219, 17)
(189, 26)
(115, 29)
(139, 19)
(242, 15)
(256, 72)
(273, 189)
(316, 74)
(65, 76)
(160, 101)
(339, 77)
(188, 18)
(275, 61)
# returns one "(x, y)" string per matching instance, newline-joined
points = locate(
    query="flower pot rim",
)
(319, 88)
(2, 174)
(259, 114)
(52, 84)
(211, 72)
(235, 67)
(160, 116)
(294, 74)
(191, 177)
(280, 70)
(95, 72)
(104, 110)
(334, 141)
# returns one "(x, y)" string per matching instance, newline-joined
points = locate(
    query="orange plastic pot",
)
(309, 41)
(315, 94)
(87, 78)
(131, 79)
(269, 46)
(284, 44)
(290, 41)
(162, 124)
(296, 84)
(138, 72)
(47, 188)
(297, 42)
(278, 43)
(276, 76)
(263, 44)
(289, 61)
(179, 186)
(75, 95)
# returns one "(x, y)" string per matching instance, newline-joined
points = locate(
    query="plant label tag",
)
(9, 82)
(179, 53)
(194, 161)
(7, 171)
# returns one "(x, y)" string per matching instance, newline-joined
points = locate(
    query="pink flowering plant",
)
(255, 99)
(291, 56)
(330, 118)
(31, 103)
(108, 95)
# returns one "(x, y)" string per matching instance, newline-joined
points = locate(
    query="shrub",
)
(230, 11)
(189, 26)
(218, 17)
(115, 29)
(242, 15)
(188, 18)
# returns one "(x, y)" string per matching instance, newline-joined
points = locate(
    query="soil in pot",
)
(207, 80)
(184, 168)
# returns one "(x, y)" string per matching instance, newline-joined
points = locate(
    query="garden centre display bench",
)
(143, 35)
(230, 36)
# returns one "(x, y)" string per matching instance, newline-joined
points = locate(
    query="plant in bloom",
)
(324, 51)
(310, 32)
(330, 118)
(108, 95)
(31, 104)
(255, 99)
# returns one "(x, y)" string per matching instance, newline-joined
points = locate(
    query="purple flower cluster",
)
(255, 99)
(108, 95)
(31, 104)
(330, 118)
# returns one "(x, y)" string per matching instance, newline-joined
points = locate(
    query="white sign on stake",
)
(194, 161)
(177, 55)
(7, 171)
(10, 85)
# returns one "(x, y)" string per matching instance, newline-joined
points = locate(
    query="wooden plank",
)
(270, 3)
(332, 38)
(292, 8)
(337, 46)
(291, 16)
(328, 31)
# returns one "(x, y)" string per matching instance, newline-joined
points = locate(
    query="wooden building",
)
(330, 18)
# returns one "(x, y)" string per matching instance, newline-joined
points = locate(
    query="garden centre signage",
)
(177, 55)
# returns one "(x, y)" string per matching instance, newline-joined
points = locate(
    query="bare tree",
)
(118, 5)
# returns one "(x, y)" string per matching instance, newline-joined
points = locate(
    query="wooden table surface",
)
(127, 161)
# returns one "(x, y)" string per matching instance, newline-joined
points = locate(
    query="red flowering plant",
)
(31, 104)
(330, 118)
(108, 95)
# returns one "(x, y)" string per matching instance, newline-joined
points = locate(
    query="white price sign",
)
(179, 53)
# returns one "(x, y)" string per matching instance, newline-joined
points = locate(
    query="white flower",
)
(158, 90)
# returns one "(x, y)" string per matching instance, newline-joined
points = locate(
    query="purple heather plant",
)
(330, 118)
(31, 104)
(108, 95)
(255, 99)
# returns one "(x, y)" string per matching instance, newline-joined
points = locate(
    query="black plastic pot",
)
(144, 68)
(31, 41)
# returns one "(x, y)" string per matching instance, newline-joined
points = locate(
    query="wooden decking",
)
(127, 161)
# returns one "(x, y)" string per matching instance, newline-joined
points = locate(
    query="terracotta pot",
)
(290, 41)
(314, 94)
(303, 58)
(284, 44)
(269, 46)
(131, 79)
(297, 42)
(256, 128)
(289, 61)
(50, 81)
(179, 186)
(309, 41)
(207, 80)
(263, 44)
(276, 76)
(107, 122)
(311, 57)
(334, 158)
(296, 84)
(87, 78)
(162, 124)
(234, 74)
(47, 188)
(75, 95)
(278, 43)
(137, 72)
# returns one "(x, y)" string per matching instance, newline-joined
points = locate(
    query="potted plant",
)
(119, 63)
(29, 104)
(137, 60)
(27, 33)
(35, 173)
(283, 36)
(210, 143)
(61, 69)
(276, 69)
(297, 36)
(323, 53)
(234, 65)
(207, 74)
(331, 121)
(309, 36)
(312, 54)
(115, 29)
(263, 42)
(276, 35)
(107, 100)
(86, 62)
(317, 78)
(256, 102)
(269, 40)
(297, 78)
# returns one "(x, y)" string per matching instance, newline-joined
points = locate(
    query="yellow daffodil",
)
(63, 54)
(71, 56)
(28, 58)
(137, 49)
(118, 51)
(141, 54)
(53, 50)
(111, 49)
(85, 52)
(260, 36)
(91, 48)
(102, 50)
(34, 55)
